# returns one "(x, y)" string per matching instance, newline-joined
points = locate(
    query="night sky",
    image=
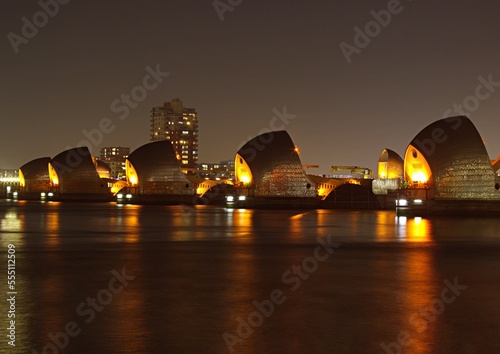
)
(238, 72)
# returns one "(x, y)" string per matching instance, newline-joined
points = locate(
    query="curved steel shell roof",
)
(36, 169)
(276, 167)
(77, 173)
(159, 171)
(394, 164)
(458, 159)
(36, 175)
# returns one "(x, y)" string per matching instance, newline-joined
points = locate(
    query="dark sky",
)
(265, 55)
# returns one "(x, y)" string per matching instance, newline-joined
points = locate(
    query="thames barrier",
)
(445, 169)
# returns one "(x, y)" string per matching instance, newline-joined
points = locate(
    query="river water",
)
(104, 278)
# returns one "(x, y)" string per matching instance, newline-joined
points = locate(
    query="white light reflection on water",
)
(11, 222)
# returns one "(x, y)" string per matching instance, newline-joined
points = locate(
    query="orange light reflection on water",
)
(418, 291)
(415, 229)
(126, 222)
(298, 225)
(241, 291)
(52, 228)
(126, 305)
(132, 226)
(384, 228)
(242, 224)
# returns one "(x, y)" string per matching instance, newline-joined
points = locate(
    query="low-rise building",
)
(114, 157)
(223, 170)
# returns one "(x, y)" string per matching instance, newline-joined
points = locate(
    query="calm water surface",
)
(102, 278)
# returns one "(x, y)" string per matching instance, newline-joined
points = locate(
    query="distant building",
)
(114, 157)
(9, 175)
(112, 152)
(9, 182)
(350, 172)
(179, 124)
(223, 170)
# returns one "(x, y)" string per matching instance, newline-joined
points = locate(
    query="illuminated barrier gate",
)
(447, 160)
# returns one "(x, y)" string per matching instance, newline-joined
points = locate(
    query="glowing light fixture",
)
(245, 179)
(419, 176)
(402, 202)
